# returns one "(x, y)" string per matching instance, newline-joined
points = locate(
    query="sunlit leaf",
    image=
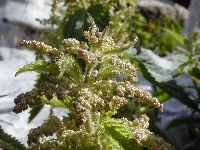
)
(39, 66)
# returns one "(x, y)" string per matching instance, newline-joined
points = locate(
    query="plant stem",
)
(88, 72)
(196, 86)
(84, 4)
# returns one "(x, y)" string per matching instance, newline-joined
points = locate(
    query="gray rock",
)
(193, 18)
(24, 12)
(14, 124)
(18, 20)
(17, 124)
(158, 9)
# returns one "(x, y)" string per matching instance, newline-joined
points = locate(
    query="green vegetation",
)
(87, 65)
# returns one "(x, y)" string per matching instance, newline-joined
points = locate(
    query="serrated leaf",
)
(157, 72)
(118, 50)
(183, 121)
(39, 66)
(11, 141)
(106, 71)
(34, 112)
(120, 133)
(70, 68)
(65, 103)
(145, 66)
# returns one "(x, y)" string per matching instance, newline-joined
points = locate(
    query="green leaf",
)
(107, 71)
(120, 133)
(70, 68)
(76, 24)
(195, 72)
(161, 95)
(118, 50)
(156, 72)
(66, 103)
(3, 95)
(39, 66)
(178, 92)
(179, 60)
(183, 121)
(11, 141)
(149, 70)
(178, 37)
(34, 112)
(131, 2)
(100, 15)
(79, 21)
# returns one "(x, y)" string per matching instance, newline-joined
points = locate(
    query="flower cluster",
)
(42, 48)
(90, 93)
(143, 96)
(127, 67)
(52, 125)
(88, 56)
(33, 97)
(22, 101)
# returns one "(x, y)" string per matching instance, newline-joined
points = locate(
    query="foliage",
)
(161, 41)
(90, 94)
(8, 142)
(186, 62)
(71, 21)
(122, 17)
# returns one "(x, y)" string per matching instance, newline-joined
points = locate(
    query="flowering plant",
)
(91, 95)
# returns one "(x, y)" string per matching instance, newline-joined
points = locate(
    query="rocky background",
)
(17, 22)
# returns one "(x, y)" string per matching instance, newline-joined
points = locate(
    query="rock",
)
(13, 59)
(157, 9)
(17, 22)
(193, 18)
(24, 12)
(11, 34)
(17, 124)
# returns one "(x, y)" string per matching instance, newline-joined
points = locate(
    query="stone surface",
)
(158, 9)
(24, 12)
(193, 18)
(17, 22)
(17, 124)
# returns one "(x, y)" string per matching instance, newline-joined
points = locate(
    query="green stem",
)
(196, 87)
(84, 4)
(88, 72)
